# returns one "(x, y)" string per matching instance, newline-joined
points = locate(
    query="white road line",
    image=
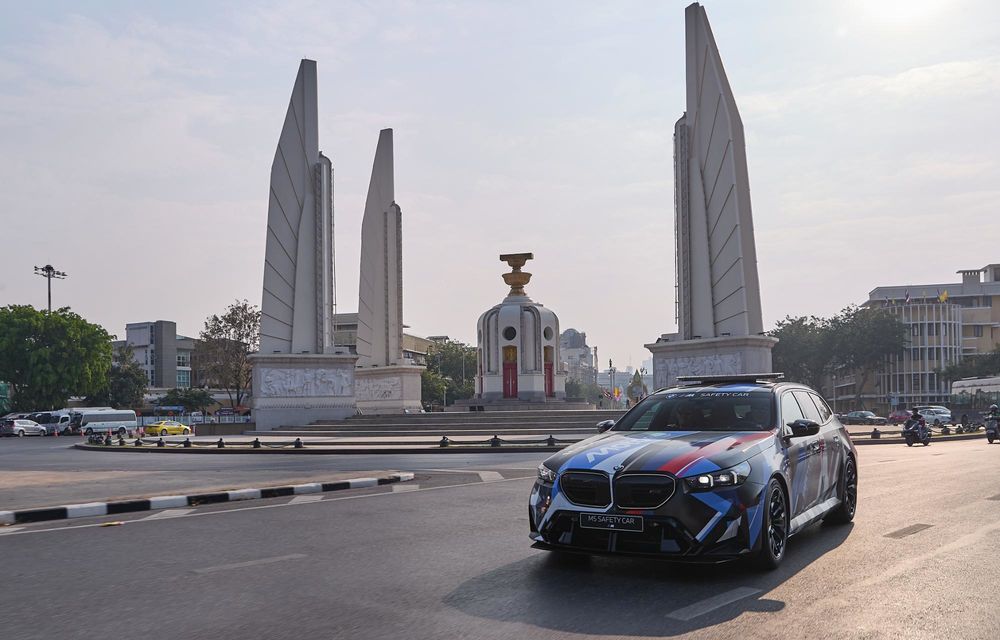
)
(198, 513)
(489, 476)
(251, 563)
(168, 513)
(6, 530)
(304, 499)
(702, 607)
(403, 488)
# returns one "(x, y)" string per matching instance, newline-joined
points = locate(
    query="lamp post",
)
(48, 272)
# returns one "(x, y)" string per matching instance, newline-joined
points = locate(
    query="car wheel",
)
(163, 432)
(848, 493)
(122, 431)
(88, 432)
(775, 527)
(187, 432)
(20, 433)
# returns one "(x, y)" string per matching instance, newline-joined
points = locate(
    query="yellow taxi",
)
(167, 428)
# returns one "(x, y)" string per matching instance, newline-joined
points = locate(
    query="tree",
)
(190, 399)
(804, 352)
(48, 357)
(451, 366)
(861, 339)
(585, 389)
(226, 344)
(974, 366)
(126, 383)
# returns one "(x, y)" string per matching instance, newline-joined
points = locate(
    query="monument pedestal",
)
(291, 389)
(728, 355)
(391, 389)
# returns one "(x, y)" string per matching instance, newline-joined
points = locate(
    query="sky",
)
(136, 140)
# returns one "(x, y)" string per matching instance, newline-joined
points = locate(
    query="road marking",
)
(403, 488)
(707, 605)
(305, 499)
(489, 476)
(168, 513)
(6, 530)
(217, 512)
(251, 563)
(908, 531)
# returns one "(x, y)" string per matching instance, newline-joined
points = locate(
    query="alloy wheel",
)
(777, 523)
(851, 487)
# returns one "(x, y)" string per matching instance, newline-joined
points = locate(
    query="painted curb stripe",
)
(92, 509)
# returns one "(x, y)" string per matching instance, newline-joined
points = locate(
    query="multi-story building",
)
(162, 354)
(947, 322)
(345, 336)
(578, 358)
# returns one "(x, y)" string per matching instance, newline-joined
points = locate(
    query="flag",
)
(906, 297)
(943, 297)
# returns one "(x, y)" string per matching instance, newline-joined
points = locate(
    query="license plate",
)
(616, 523)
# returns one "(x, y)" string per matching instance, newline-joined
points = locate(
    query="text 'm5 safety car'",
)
(718, 468)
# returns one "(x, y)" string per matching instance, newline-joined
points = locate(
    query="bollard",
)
(945, 431)
(495, 441)
(876, 434)
(187, 443)
(138, 442)
(256, 443)
(107, 440)
(161, 443)
(298, 443)
(444, 441)
(551, 442)
(220, 444)
(121, 441)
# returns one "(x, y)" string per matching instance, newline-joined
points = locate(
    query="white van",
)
(91, 421)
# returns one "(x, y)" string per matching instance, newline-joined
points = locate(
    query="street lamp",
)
(48, 272)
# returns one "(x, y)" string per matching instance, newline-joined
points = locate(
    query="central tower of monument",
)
(718, 294)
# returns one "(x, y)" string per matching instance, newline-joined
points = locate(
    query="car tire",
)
(122, 431)
(990, 439)
(774, 530)
(847, 490)
(88, 432)
(163, 432)
(187, 432)
(20, 433)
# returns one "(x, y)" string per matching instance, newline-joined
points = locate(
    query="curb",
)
(91, 509)
(317, 450)
(934, 438)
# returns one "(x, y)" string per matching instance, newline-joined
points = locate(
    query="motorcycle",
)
(992, 430)
(916, 431)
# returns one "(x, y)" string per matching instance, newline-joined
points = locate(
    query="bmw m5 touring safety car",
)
(715, 469)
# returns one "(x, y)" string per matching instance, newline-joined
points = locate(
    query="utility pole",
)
(48, 272)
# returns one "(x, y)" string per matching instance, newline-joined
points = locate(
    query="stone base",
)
(291, 389)
(545, 404)
(386, 390)
(674, 357)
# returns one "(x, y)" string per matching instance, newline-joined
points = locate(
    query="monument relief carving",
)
(302, 383)
(379, 389)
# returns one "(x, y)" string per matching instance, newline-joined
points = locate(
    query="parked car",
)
(167, 428)
(899, 416)
(936, 417)
(718, 468)
(21, 428)
(863, 417)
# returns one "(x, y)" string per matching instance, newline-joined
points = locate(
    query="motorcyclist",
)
(993, 414)
(916, 422)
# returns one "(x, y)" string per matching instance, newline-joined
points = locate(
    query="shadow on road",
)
(629, 596)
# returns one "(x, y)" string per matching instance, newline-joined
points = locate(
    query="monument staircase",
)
(540, 424)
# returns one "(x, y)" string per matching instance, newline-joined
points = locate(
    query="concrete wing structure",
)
(718, 290)
(718, 295)
(380, 292)
(298, 297)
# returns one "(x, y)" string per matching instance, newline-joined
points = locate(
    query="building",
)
(947, 322)
(345, 337)
(162, 354)
(577, 356)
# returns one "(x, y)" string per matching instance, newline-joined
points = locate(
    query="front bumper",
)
(705, 526)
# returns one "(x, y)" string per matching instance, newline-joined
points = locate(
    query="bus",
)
(91, 421)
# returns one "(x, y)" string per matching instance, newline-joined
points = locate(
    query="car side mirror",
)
(802, 428)
(604, 425)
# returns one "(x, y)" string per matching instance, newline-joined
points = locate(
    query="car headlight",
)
(731, 477)
(545, 474)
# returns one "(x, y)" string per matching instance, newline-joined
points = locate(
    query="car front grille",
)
(643, 491)
(586, 488)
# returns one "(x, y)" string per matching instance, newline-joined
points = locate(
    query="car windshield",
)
(706, 410)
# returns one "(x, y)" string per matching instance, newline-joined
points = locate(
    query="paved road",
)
(448, 557)
(38, 472)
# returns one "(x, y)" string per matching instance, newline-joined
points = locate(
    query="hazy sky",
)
(136, 140)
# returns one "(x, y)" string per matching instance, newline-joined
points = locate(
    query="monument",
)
(297, 376)
(385, 382)
(519, 364)
(718, 295)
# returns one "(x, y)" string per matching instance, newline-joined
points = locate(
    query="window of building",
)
(988, 301)
(977, 331)
(931, 329)
(183, 379)
(915, 329)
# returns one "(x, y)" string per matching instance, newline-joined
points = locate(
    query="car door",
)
(829, 443)
(803, 458)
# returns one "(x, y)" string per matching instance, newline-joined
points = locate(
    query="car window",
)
(808, 407)
(824, 409)
(705, 410)
(790, 411)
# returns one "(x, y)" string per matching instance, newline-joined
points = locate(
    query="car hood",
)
(682, 453)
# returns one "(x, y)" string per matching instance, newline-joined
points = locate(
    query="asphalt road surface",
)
(447, 556)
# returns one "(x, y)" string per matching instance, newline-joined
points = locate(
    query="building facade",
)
(947, 322)
(163, 355)
(577, 356)
(345, 338)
